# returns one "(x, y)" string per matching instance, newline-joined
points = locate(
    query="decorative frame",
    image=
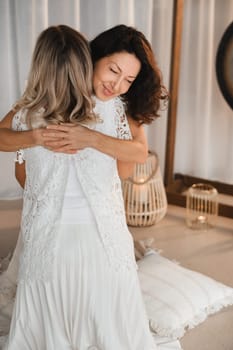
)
(224, 65)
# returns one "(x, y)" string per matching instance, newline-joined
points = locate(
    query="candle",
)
(201, 206)
(201, 219)
(141, 193)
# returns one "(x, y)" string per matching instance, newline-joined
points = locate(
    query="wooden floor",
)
(209, 252)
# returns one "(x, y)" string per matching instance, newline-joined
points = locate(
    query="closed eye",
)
(113, 70)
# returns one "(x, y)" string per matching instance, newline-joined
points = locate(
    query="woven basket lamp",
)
(144, 194)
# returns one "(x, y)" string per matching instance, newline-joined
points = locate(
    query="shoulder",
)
(19, 122)
(137, 131)
(134, 125)
(6, 122)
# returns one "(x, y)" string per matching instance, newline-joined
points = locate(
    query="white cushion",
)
(176, 298)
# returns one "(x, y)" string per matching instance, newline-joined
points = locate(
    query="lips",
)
(107, 92)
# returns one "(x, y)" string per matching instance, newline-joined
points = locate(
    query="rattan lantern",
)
(144, 194)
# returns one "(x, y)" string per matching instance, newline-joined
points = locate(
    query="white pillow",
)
(176, 298)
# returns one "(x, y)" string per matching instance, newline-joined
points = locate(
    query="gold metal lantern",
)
(144, 194)
(201, 206)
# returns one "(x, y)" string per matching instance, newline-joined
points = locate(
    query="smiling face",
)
(113, 75)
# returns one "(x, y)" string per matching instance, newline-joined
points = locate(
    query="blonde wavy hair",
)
(59, 85)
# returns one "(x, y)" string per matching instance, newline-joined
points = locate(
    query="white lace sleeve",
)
(19, 124)
(123, 129)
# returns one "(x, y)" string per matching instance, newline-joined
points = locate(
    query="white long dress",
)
(78, 286)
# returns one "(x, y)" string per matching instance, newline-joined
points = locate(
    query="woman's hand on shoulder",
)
(67, 138)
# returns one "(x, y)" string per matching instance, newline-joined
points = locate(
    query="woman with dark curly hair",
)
(142, 94)
(146, 91)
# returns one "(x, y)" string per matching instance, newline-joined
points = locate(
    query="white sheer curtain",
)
(204, 139)
(204, 119)
(21, 21)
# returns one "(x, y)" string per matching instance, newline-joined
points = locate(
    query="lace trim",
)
(122, 125)
(40, 220)
(200, 317)
(19, 124)
(7, 296)
(7, 292)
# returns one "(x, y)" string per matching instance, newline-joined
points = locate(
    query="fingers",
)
(66, 127)
(68, 124)
(58, 131)
(65, 150)
(56, 136)
(56, 143)
(61, 127)
(40, 136)
(53, 134)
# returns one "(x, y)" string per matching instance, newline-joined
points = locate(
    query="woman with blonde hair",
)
(77, 276)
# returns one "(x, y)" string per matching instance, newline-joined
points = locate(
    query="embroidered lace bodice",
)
(47, 174)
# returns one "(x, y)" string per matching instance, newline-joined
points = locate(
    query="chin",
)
(103, 97)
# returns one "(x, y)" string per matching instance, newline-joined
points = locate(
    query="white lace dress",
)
(78, 286)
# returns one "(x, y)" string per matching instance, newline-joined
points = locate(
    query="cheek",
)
(99, 77)
(94, 83)
(97, 73)
(124, 88)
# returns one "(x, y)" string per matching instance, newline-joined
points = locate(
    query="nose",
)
(117, 85)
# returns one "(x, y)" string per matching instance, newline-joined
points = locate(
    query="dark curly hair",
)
(143, 99)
